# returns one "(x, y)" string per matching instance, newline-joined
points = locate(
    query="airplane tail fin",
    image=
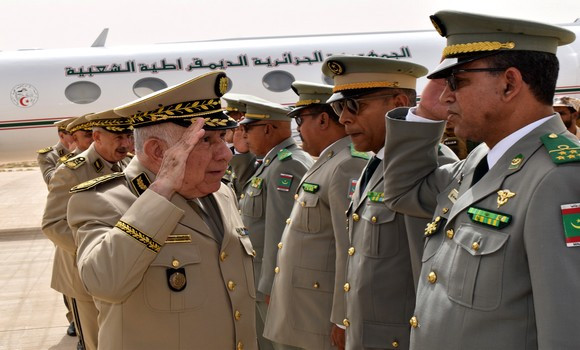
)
(100, 42)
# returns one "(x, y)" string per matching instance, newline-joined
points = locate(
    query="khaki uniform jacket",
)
(49, 159)
(87, 165)
(267, 202)
(132, 241)
(312, 253)
(240, 170)
(501, 277)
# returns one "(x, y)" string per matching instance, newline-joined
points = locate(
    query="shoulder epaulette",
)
(561, 149)
(284, 154)
(66, 157)
(357, 154)
(75, 162)
(94, 182)
(44, 150)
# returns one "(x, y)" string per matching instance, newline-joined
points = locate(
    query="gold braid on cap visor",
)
(477, 47)
(84, 126)
(182, 110)
(366, 85)
(113, 124)
(307, 102)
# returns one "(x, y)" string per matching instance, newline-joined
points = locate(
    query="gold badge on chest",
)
(503, 196)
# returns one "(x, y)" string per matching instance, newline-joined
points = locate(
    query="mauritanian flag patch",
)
(284, 182)
(571, 220)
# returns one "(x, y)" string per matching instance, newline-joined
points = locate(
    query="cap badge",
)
(335, 67)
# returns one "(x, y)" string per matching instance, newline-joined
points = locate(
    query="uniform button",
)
(296, 196)
(355, 217)
(253, 252)
(280, 245)
(445, 210)
(346, 322)
(231, 285)
(414, 322)
(240, 346)
(237, 315)
(288, 221)
(302, 203)
(251, 193)
(276, 269)
(351, 251)
(175, 263)
(223, 256)
(395, 344)
(432, 277)
(374, 219)
(553, 136)
(242, 195)
(316, 285)
(475, 246)
(346, 287)
(450, 233)
(267, 161)
(240, 211)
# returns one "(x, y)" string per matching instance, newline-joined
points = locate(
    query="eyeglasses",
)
(246, 127)
(352, 104)
(299, 118)
(451, 80)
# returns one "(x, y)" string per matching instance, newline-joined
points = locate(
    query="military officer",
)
(106, 155)
(567, 107)
(500, 262)
(81, 130)
(268, 196)
(162, 246)
(379, 287)
(49, 158)
(312, 252)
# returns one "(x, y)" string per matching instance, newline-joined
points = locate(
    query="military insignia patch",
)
(284, 182)
(308, 187)
(221, 85)
(66, 157)
(571, 219)
(44, 150)
(489, 218)
(140, 183)
(75, 162)
(242, 231)
(98, 165)
(178, 239)
(434, 226)
(176, 279)
(335, 67)
(377, 197)
(516, 162)
(561, 149)
(284, 154)
(453, 195)
(503, 196)
(357, 154)
(94, 182)
(257, 182)
(352, 187)
(439, 27)
(61, 152)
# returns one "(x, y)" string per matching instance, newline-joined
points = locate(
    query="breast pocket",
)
(476, 272)
(157, 292)
(380, 231)
(307, 217)
(253, 202)
(248, 257)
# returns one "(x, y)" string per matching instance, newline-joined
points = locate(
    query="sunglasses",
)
(352, 104)
(300, 118)
(451, 80)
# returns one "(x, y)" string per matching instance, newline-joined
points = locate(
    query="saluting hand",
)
(430, 106)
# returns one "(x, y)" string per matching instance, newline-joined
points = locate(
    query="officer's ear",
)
(154, 149)
(324, 121)
(401, 100)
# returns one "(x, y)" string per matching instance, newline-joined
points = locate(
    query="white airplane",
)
(40, 87)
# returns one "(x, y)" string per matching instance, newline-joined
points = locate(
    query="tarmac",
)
(32, 315)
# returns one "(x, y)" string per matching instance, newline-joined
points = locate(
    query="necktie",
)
(116, 168)
(480, 170)
(368, 173)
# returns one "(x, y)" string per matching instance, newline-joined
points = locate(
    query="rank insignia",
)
(242, 231)
(257, 182)
(516, 162)
(453, 195)
(178, 239)
(357, 154)
(503, 196)
(561, 149)
(284, 154)
(284, 182)
(571, 219)
(487, 217)
(98, 165)
(44, 150)
(433, 227)
(94, 182)
(75, 162)
(141, 183)
(352, 187)
(66, 157)
(377, 197)
(61, 152)
(176, 279)
(308, 187)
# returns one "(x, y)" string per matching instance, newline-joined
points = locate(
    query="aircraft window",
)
(146, 86)
(327, 80)
(278, 81)
(82, 92)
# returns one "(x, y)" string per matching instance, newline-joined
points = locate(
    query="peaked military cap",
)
(472, 36)
(567, 101)
(257, 110)
(62, 124)
(233, 102)
(309, 94)
(182, 103)
(80, 123)
(357, 75)
(110, 121)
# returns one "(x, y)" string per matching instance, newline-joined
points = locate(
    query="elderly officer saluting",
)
(268, 196)
(49, 157)
(162, 246)
(312, 252)
(379, 287)
(106, 155)
(500, 265)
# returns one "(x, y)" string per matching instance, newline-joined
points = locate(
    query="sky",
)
(47, 24)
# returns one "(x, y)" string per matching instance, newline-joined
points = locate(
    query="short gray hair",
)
(167, 132)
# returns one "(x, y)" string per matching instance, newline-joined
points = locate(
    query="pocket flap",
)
(310, 200)
(479, 240)
(378, 214)
(183, 253)
(254, 192)
(385, 336)
(322, 281)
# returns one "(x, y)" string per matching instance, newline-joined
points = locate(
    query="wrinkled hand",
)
(337, 337)
(172, 172)
(430, 107)
(240, 144)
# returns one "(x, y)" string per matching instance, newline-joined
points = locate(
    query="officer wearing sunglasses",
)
(379, 274)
